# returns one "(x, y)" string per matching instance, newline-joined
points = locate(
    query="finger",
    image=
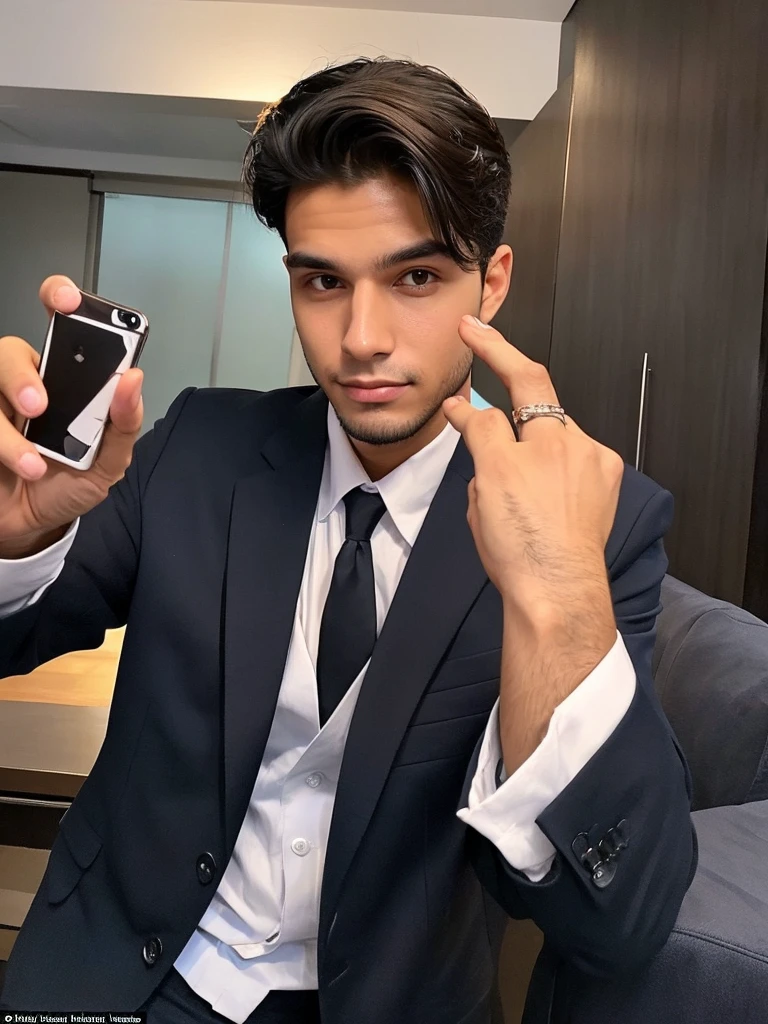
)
(59, 293)
(472, 500)
(527, 382)
(462, 415)
(125, 411)
(126, 414)
(18, 454)
(20, 382)
(485, 431)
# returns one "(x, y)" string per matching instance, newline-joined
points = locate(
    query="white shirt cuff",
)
(24, 580)
(580, 725)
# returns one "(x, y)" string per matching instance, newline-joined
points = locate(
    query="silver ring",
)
(531, 412)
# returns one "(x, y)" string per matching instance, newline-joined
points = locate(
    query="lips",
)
(380, 393)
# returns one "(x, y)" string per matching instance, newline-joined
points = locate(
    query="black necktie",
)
(348, 626)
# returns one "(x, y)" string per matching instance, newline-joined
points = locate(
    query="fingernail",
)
(66, 295)
(454, 400)
(31, 465)
(30, 399)
(481, 324)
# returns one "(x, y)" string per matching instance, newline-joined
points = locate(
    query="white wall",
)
(254, 51)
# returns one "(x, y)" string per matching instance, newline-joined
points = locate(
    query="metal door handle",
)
(641, 432)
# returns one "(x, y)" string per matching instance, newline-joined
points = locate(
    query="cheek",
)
(436, 341)
(430, 326)
(438, 317)
(318, 331)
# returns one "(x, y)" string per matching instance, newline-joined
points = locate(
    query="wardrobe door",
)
(662, 252)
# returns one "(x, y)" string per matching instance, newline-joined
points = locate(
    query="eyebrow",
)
(420, 251)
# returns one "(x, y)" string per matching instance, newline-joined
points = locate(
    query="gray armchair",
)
(711, 673)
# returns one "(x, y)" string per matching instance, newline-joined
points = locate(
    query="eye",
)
(420, 278)
(324, 280)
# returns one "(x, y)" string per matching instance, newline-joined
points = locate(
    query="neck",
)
(379, 460)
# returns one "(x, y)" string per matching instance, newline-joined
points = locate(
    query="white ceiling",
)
(531, 10)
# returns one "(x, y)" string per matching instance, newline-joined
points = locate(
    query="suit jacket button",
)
(153, 947)
(206, 868)
(604, 873)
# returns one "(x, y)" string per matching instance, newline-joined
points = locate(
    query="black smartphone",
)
(85, 354)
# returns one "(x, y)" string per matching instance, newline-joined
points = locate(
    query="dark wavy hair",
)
(351, 122)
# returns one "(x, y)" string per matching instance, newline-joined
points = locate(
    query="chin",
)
(380, 426)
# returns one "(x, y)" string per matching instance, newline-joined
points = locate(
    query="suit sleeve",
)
(92, 592)
(625, 844)
(505, 811)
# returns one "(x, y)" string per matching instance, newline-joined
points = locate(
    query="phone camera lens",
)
(130, 320)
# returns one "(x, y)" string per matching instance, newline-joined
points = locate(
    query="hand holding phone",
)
(39, 499)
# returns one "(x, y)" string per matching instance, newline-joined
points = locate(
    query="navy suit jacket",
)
(200, 549)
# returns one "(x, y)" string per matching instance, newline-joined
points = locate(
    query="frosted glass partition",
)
(164, 256)
(257, 327)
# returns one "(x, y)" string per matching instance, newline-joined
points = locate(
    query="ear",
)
(496, 284)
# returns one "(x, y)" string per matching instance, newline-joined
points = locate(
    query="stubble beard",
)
(372, 428)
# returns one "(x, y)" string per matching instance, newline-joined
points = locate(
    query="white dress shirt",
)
(260, 929)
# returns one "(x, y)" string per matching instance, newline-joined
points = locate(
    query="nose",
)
(368, 333)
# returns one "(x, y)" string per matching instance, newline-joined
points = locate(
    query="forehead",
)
(382, 213)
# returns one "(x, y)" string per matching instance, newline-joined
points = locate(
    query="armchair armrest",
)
(714, 967)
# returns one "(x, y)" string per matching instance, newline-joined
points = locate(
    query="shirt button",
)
(300, 847)
(314, 780)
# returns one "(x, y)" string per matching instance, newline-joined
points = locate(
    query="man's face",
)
(364, 319)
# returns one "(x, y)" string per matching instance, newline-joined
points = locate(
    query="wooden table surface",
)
(83, 678)
(53, 721)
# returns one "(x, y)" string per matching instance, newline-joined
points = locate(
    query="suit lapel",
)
(270, 522)
(442, 578)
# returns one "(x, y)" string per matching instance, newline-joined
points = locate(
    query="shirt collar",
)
(407, 491)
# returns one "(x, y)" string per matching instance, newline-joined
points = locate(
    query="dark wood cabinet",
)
(661, 249)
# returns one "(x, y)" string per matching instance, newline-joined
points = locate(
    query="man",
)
(386, 673)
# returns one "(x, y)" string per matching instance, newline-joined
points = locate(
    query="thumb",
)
(457, 410)
(126, 414)
(59, 293)
(126, 409)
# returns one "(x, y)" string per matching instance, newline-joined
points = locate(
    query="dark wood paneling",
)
(532, 229)
(533, 226)
(756, 584)
(662, 249)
